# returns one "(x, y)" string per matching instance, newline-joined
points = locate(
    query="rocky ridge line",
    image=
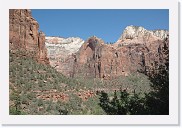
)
(96, 59)
(131, 32)
(58, 45)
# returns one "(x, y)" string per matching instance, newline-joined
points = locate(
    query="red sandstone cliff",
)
(24, 34)
(99, 60)
(136, 50)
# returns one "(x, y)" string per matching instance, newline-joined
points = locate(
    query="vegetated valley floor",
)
(39, 89)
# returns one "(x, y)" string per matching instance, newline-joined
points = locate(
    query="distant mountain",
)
(137, 49)
(61, 52)
(137, 34)
(69, 45)
(131, 32)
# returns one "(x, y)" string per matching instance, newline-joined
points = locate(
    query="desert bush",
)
(26, 78)
(122, 104)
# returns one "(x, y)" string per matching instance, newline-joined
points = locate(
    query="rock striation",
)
(24, 34)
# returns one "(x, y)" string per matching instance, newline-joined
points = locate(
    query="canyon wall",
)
(137, 50)
(98, 60)
(62, 51)
(24, 34)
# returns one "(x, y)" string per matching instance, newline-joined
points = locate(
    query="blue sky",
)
(105, 24)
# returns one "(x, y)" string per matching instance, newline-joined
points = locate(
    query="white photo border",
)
(171, 119)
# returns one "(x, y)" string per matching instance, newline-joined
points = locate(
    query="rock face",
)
(136, 50)
(57, 45)
(61, 52)
(24, 34)
(98, 60)
(132, 32)
(88, 58)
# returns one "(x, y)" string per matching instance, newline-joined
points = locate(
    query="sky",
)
(107, 24)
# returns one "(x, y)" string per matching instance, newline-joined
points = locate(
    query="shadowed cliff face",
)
(24, 34)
